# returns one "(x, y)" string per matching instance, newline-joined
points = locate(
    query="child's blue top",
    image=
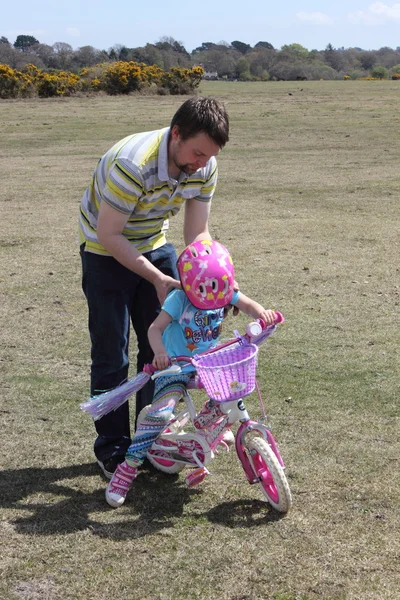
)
(192, 330)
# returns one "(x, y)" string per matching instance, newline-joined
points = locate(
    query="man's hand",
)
(164, 285)
(231, 307)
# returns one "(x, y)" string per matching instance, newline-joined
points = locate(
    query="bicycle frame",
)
(234, 411)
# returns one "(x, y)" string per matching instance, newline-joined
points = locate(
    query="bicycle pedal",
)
(196, 477)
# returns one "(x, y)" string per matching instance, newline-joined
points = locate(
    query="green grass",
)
(307, 202)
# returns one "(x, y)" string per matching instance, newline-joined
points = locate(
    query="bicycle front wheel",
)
(272, 479)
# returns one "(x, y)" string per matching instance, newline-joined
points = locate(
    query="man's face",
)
(192, 154)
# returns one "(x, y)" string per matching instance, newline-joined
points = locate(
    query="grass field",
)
(307, 202)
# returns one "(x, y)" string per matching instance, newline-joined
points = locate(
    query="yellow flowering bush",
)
(114, 78)
(14, 83)
(90, 78)
(62, 83)
(152, 74)
(182, 81)
(9, 82)
(123, 77)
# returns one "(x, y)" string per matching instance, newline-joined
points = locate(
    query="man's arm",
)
(197, 210)
(196, 221)
(110, 225)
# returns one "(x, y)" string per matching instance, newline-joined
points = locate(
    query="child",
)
(189, 323)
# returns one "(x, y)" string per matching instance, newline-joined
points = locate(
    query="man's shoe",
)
(109, 465)
(119, 485)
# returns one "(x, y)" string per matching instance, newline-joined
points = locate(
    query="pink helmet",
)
(207, 274)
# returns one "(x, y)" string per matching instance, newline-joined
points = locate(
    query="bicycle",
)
(227, 373)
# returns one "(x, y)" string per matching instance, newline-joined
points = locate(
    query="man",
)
(128, 267)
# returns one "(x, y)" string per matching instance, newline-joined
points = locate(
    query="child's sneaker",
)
(120, 483)
(228, 438)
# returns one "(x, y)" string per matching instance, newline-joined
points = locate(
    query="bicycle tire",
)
(155, 457)
(272, 479)
(162, 463)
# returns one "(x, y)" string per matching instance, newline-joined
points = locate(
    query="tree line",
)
(234, 60)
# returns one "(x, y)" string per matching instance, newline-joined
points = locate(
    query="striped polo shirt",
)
(132, 177)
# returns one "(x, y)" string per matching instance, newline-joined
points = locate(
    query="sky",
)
(103, 24)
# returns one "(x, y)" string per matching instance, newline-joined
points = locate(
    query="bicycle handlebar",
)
(260, 337)
(279, 319)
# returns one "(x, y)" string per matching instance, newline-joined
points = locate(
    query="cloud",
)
(389, 12)
(317, 18)
(73, 32)
(360, 16)
(376, 14)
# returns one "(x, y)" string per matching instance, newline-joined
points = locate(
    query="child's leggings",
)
(168, 391)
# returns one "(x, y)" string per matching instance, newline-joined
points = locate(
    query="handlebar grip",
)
(279, 319)
(149, 369)
(154, 373)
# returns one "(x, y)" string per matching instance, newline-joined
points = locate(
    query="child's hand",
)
(268, 316)
(161, 361)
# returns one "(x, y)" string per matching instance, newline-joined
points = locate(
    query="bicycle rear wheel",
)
(160, 460)
(272, 479)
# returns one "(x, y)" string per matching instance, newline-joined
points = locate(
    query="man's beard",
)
(189, 170)
(186, 168)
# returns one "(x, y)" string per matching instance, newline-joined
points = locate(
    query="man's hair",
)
(207, 115)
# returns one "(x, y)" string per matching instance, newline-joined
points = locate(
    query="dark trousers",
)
(117, 297)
